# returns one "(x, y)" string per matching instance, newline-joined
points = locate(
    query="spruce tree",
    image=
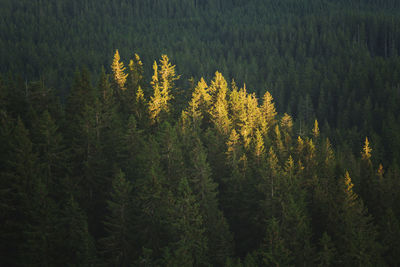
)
(190, 248)
(357, 243)
(117, 244)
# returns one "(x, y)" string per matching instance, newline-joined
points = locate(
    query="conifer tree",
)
(287, 123)
(219, 108)
(274, 251)
(133, 96)
(163, 82)
(273, 165)
(200, 103)
(357, 241)
(205, 189)
(366, 152)
(73, 236)
(327, 253)
(152, 201)
(259, 148)
(236, 106)
(172, 159)
(315, 129)
(156, 101)
(368, 183)
(20, 181)
(268, 112)
(135, 73)
(191, 246)
(117, 244)
(233, 152)
(286, 126)
(52, 154)
(118, 71)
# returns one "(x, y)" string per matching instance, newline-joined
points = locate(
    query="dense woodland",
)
(269, 135)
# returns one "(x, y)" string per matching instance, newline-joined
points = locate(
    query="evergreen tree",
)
(191, 246)
(274, 251)
(357, 241)
(205, 189)
(327, 253)
(117, 245)
(20, 183)
(73, 236)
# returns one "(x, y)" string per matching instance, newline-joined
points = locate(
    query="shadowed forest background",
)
(198, 133)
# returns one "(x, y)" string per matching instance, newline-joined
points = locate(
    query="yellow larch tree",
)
(155, 103)
(315, 129)
(286, 125)
(259, 148)
(219, 108)
(233, 148)
(351, 197)
(162, 83)
(268, 111)
(235, 106)
(200, 102)
(366, 152)
(118, 71)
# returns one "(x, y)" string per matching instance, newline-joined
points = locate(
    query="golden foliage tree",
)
(268, 111)
(315, 129)
(118, 71)
(351, 197)
(162, 83)
(219, 108)
(200, 102)
(366, 152)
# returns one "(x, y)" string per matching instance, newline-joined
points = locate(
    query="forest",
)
(200, 133)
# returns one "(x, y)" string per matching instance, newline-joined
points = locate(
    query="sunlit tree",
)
(118, 71)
